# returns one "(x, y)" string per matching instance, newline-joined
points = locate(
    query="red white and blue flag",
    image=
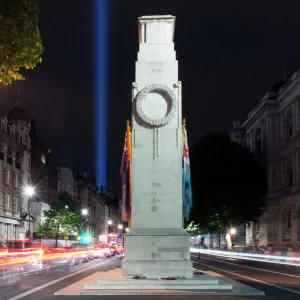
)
(186, 178)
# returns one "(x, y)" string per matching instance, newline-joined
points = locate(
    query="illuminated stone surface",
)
(157, 245)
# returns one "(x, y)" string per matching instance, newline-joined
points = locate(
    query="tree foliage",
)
(193, 228)
(20, 40)
(228, 183)
(63, 218)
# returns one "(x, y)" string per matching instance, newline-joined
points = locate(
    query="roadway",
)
(277, 281)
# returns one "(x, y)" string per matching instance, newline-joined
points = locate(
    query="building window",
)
(8, 202)
(258, 144)
(290, 178)
(16, 208)
(289, 172)
(288, 124)
(43, 159)
(3, 126)
(12, 132)
(16, 181)
(8, 177)
(15, 231)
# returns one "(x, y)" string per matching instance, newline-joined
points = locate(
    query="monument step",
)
(159, 281)
(161, 286)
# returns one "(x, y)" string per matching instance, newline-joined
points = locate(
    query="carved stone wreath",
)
(166, 93)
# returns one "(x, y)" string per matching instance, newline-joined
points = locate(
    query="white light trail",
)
(275, 259)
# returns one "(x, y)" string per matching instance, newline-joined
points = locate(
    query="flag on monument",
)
(186, 177)
(124, 172)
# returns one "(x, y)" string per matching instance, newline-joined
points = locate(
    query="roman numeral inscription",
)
(156, 66)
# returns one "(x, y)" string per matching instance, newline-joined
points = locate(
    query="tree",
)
(193, 228)
(20, 40)
(63, 218)
(229, 185)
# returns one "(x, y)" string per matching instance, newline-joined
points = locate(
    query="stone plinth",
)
(197, 282)
(157, 253)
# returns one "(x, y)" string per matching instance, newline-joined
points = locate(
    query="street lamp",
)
(232, 231)
(29, 192)
(84, 212)
(127, 229)
(120, 226)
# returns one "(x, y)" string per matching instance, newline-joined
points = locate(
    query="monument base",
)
(114, 282)
(157, 253)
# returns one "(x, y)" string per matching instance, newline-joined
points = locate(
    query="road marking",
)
(225, 262)
(254, 279)
(58, 280)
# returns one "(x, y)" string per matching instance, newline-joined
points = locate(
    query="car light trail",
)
(283, 260)
(101, 40)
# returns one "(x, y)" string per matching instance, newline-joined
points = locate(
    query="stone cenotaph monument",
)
(156, 246)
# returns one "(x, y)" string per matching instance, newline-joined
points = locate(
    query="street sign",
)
(21, 230)
(65, 237)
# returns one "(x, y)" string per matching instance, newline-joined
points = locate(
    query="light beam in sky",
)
(101, 40)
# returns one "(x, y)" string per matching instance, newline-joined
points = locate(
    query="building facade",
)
(15, 172)
(89, 199)
(66, 181)
(43, 169)
(272, 132)
(24, 160)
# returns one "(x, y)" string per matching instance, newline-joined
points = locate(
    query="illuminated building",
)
(23, 160)
(43, 169)
(273, 134)
(15, 169)
(66, 181)
(89, 199)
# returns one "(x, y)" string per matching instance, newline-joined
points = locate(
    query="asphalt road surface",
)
(277, 281)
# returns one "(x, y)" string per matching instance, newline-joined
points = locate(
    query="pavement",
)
(276, 281)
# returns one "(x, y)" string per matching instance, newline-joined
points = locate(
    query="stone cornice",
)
(258, 112)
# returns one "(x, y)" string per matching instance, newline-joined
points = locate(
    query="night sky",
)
(230, 53)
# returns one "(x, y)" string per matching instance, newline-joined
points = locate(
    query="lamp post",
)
(85, 212)
(29, 192)
(109, 223)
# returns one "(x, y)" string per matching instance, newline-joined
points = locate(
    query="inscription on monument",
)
(156, 65)
(156, 185)
(156, 194)
(156, 71)
(157, 201)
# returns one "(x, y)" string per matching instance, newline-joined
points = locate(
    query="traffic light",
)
(85, 238)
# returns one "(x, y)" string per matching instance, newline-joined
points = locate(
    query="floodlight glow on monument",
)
(157, 245)
(101, 9)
